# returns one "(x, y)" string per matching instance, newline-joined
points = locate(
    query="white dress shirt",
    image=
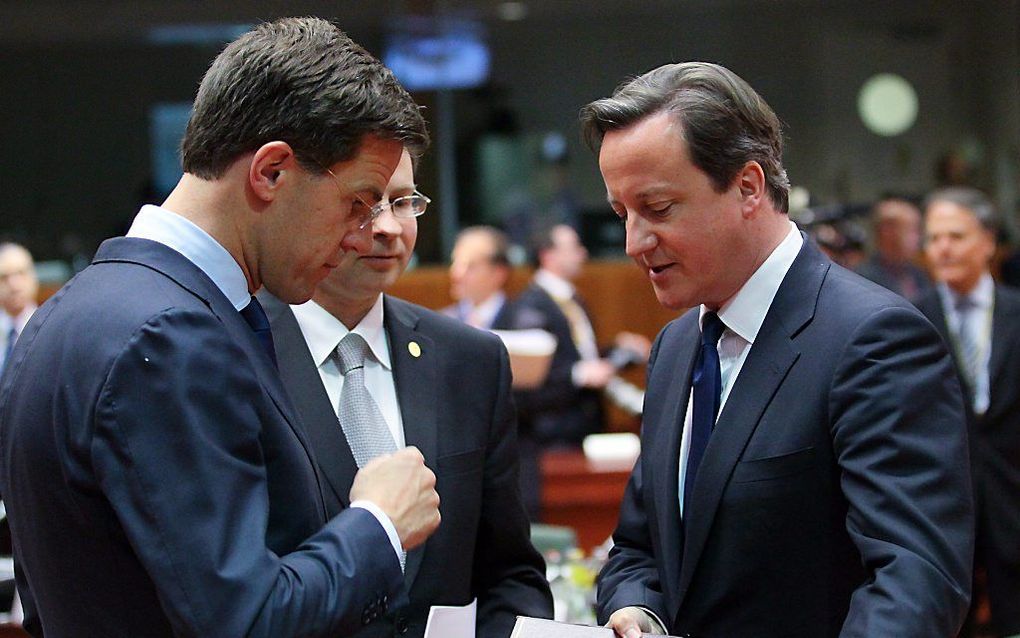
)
(197, 246)
(743, 315)
(982, 298)
(484, 314)
(323, 333)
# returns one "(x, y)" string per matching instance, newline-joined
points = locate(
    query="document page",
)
(539, 628)
(452, 621)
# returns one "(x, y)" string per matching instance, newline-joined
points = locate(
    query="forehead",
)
(945, 213)
(473, 246)
(13, 260)
(644, 156)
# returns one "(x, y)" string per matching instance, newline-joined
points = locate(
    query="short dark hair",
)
(970, 198)
(724, 121)
(500, 255)
(301, 81)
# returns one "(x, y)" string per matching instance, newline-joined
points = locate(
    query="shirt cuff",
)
(384, 520)
(661, 628)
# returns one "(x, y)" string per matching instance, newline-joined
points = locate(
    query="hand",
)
(594, 373)
(631, 622)
(405, 490)
(638, 344)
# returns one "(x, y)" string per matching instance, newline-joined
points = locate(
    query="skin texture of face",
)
(567, 255)
(19, 286)
(306, 235)
(473, 275)
(958, 247)
(696, 245)
(373, 258)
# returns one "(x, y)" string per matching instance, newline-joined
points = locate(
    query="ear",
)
(751, 184)
(272, 165)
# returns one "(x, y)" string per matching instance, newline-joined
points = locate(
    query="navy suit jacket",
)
(995, 456)
(457, 409)
(155, 476)
(833, 498)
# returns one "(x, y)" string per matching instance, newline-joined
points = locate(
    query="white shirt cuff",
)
(384, 520)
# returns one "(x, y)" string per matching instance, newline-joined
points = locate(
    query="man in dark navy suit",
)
(804, 467)
(439, 385)
(978, 318)
(156, 476)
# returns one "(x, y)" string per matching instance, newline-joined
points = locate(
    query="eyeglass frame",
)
(374, 211)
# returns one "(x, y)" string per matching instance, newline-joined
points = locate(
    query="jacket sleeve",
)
(178, 455)
(631, 577)
(898, 431)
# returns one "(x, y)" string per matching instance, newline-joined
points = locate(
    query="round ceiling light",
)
(887, 104)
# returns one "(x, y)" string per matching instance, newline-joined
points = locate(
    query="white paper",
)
(452, 621)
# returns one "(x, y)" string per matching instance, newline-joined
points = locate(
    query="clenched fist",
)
(405, 489)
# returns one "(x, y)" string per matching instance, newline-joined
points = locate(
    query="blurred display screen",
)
(448, 55)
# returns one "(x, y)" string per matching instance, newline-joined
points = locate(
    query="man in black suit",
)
(978, 318)
(803, 467)
(156, 477)
(439, 385)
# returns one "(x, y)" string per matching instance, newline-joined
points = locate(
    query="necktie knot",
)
(964, 303)
(257, 320)
(711, 329)
(255, 315)
(351, 352)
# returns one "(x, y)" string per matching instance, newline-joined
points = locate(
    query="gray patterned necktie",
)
(362, 421)
(360, 418)
(967, 341)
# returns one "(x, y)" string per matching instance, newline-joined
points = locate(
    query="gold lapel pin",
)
(414, 349)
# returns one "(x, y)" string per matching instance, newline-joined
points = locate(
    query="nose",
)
(639, 239)
(386, 224)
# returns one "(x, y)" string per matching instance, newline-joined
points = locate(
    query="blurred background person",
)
(979, 319)
(896, 228)
(19, 290)
(479, 271)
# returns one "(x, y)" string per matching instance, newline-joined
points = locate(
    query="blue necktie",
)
(256, 318)
(707, 382)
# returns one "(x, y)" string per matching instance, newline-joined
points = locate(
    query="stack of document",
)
(539, 628)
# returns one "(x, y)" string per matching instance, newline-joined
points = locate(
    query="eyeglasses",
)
(406, 207)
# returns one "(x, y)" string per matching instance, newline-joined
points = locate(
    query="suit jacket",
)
(557, 412)
(833, 497)
(995, 455)
(457, 409)
(878, 272)
(156, 480)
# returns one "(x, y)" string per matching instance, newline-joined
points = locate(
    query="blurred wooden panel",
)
(618, 295)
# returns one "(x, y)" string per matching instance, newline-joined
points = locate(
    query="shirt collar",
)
(323, 332)
(556, 286)
(982, 296)
(486, 311)
(745, 311)
(172, 230)
(18, 321)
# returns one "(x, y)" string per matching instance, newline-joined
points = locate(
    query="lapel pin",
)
(414, 349)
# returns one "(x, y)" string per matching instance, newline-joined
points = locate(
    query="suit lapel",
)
(666, 444)
(415, 377)
(1003, 333)
(767, 364)
(303, 383)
